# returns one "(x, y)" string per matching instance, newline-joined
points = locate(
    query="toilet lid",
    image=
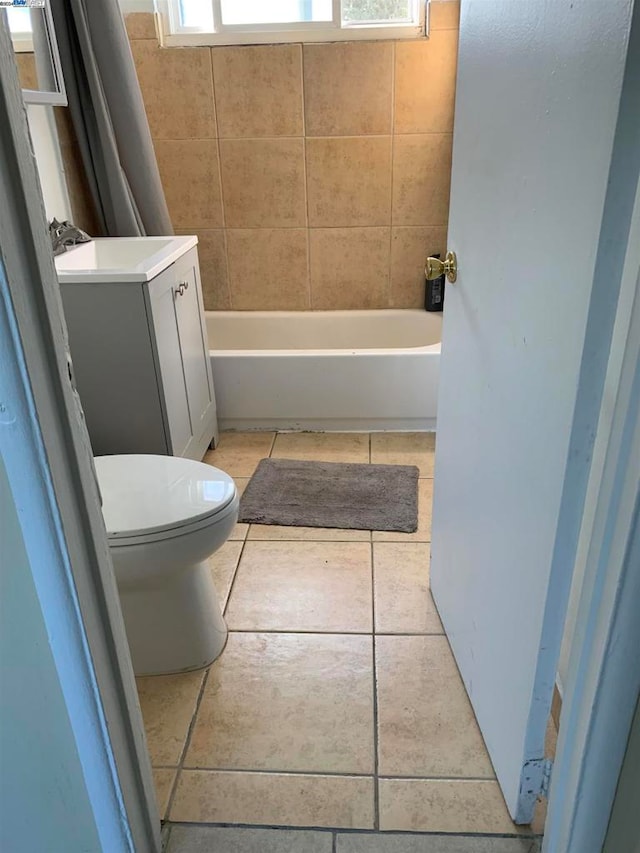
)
(147, 494)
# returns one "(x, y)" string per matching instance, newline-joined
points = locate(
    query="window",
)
(21, 29)
(264, 21)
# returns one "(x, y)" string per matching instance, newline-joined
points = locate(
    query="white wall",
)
(136, 6)
(44, 138)
(44, 805)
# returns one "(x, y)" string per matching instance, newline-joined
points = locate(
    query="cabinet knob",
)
(182, 287)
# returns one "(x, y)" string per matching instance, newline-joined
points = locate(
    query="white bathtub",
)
(325, 370)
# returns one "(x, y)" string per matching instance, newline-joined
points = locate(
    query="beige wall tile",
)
(191, 181)
(443, 805)
(444, 15)
(268, 269)
(27, 71)
(405, 448)
(177, 87)
(421, 179)
(410, 246)
(426, 726)
(302, 586)
(423, 533)
(425, 82)
(403, 601)
(163, 782)
(168, 703)
(258, 90)
(238, 453)
(349, 181)
(140, 25)
(271, 798)
(212, 255)
(348, 88)
(322, 446)
(349, 267)
(82, 208)
(287, 702)
(223, 566)
(263, 182)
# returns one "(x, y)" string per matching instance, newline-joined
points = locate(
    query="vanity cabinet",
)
(141, 362)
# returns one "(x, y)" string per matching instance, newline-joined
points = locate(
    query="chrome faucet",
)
(65, 234)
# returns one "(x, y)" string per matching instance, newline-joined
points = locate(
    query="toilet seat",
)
(147, 498)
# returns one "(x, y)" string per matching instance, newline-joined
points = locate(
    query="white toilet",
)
(164, 517)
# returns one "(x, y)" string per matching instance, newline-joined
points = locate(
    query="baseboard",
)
(330, 424)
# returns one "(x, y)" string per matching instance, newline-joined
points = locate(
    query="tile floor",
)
(337, 702)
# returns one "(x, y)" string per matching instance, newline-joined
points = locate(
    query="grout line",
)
(261, 772)
(323, 774)
(188, 229)
(185, 747)
(342, 633)
(334, 842)
(348, 830)
(233, 581)
(393, 137)
(376, 793)
(306, 178)
(273, 443)
(222, 204)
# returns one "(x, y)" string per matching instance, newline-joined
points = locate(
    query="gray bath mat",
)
(332, 494)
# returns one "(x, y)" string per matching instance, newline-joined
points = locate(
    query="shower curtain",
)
(109, 118)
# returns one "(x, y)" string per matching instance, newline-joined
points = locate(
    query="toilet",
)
(165, 516)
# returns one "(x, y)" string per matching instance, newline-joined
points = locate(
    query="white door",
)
(538, 93)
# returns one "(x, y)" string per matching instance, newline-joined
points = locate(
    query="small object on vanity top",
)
(65, 234)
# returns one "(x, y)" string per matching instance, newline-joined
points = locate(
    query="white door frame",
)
(46, 450)
(90, 646)
(604, 667)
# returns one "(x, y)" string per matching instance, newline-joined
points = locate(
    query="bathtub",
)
(325, 370)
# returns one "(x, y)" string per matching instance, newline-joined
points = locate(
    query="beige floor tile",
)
(195, 838)
(239, 532)
(405, 448)
(223, 566)
(403, 602)
(423, 533)
(322, 446)
(287, 702)
(426, 726)
(274, 798)
(168, 703)
(406, 842)
(443, 805)
(273, 532)
(238, 453)
(302, 586)
(163, 782)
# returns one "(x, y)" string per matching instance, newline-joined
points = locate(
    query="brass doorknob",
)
(434, 267)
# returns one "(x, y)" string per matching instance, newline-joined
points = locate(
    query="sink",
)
(120, 259)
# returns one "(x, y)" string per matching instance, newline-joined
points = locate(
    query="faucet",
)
(65, 234)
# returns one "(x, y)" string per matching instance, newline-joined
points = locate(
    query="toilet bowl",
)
(165, 516)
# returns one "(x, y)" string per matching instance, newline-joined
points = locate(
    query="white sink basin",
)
(113, 259)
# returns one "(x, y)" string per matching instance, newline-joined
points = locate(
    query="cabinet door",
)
(193, 343)
(162, 295)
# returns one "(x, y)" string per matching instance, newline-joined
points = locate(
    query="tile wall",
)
(316, 176)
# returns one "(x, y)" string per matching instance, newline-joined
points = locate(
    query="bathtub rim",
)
(355, 314)
(433, 349)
